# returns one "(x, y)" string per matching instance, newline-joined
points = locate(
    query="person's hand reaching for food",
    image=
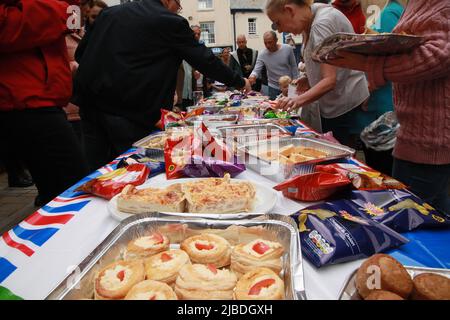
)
(248, 86)
(302, 85)
(288, 104)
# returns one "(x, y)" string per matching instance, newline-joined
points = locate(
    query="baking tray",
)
(152, 153)
(252, 133)
(280, 172)
(258, 111)
(349, 291)
(207, 109)
(213, 121)
(289, 122)
(79, 284)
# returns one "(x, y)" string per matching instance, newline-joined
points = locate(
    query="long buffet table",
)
(45, 248)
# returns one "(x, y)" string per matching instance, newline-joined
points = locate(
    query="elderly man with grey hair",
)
(279, 60)
(245, 58)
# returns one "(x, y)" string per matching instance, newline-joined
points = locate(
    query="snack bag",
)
(211, 167)
(199, 155)
(112, 183)
(398, 209)
(331, 234)
(363, 178)
(155, 167)
(171, 119)
(313, 187)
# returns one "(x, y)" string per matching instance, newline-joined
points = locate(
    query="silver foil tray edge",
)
(77, 285)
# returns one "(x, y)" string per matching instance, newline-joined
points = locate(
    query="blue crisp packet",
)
(331, 234)
(398, 209)
(155, 167)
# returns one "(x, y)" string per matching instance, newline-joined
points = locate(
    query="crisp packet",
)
(313, 187)
(112, 183)
(211, 167)
(171, 119)
(363, 178)
(199, 155)
(330, 234)
(398, 209)
(156, 167)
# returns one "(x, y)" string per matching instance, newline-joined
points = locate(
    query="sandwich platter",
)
(265, 200)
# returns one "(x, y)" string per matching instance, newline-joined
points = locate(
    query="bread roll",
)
(383, 295)
(431, 286)
(382, 272)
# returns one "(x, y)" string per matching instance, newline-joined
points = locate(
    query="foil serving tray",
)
(80, 284)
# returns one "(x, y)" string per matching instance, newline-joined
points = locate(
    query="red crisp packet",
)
(171, 119)
(362, 177)
(313, 187)
(112, 183)
(177, 153)
(176, 119)
(183, 154)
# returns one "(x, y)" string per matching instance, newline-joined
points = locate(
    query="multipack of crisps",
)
(199, 154)
(331, 234)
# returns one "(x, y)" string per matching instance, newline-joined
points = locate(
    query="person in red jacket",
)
(353, 11)
(35, 82)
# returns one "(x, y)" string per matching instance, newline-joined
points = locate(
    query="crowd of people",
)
(72, 100)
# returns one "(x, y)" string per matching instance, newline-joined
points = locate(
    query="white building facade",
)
(223, 20)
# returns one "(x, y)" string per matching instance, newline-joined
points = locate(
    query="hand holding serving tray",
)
(348, 45)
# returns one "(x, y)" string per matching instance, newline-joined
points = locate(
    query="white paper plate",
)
(266, 198)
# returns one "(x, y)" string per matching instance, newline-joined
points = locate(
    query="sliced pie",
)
(219, 196)
(170, 199)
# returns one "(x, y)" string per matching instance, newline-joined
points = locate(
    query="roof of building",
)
(247, 4)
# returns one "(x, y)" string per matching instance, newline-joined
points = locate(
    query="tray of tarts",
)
(164, 257)
(283, 158)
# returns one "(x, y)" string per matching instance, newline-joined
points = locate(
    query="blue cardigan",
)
(381, 100)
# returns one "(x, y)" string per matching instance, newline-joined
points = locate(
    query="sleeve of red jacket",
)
(27, 24)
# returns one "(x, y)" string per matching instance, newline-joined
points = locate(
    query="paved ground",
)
(15, 204)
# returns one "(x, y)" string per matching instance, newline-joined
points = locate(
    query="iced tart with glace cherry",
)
(144, 247)
(151, 290)
(257, 253)
(208, 249)
(115, 280)
(259, 284)
(165, 266)
(205, 282)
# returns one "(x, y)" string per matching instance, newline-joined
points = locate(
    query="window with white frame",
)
(205, 4)
(208, 33)
(252, 26)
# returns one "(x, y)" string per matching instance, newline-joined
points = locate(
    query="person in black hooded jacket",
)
(127, 72)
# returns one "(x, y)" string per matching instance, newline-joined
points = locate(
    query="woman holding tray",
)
(421, 81)
(340, 93)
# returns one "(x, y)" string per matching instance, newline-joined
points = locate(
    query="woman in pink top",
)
(421, 81)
